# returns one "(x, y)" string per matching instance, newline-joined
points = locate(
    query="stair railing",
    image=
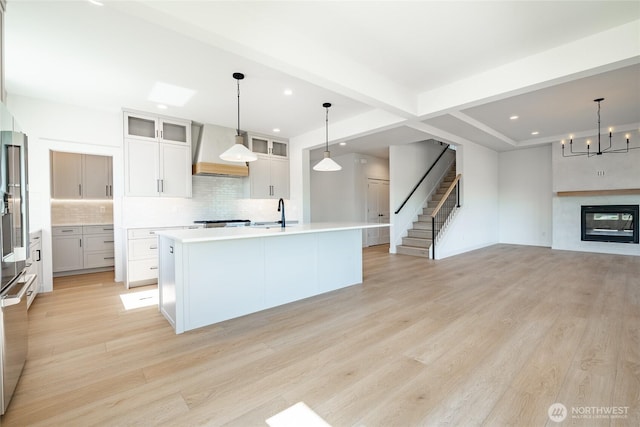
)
(440, 215)
(422, 179)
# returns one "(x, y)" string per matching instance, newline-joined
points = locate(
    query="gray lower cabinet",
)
(81, 247)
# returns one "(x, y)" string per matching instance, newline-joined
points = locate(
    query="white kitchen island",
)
(210, 275)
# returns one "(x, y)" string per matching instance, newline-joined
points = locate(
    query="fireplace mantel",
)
(585, 193)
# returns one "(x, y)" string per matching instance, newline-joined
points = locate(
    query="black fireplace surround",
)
(610, 223)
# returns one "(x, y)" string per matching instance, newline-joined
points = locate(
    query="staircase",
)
(418, 241)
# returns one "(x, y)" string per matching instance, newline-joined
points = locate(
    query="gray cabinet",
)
(79, 247)
(81, 176)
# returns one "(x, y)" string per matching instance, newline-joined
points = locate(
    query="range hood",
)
(207, 143)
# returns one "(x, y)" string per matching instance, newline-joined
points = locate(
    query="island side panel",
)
(167, 279)
(339, 259)
(223, 280)
(290, 268)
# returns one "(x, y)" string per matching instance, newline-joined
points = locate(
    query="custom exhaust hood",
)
(208, 142)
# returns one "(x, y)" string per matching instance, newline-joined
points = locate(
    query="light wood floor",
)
(492, 337)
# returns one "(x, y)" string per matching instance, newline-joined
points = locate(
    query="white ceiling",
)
(418, 62)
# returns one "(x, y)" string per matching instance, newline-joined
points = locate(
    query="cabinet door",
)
(141, 127)
(67, 253)
(142, 168)
(259, 145)
(175, 131)
(66, 175)
(279, 178)
(260, 179)
(96, 177)
(279, 149)
(175, 170)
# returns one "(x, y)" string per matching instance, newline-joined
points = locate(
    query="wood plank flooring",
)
(492, 337)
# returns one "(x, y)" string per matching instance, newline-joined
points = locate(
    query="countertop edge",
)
(234, 233)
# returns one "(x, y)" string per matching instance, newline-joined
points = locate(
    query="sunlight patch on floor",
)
(139, 299)
(296, 416)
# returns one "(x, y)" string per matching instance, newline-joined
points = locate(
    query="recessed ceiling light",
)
(96, 2)
(276, 129)
(513, 118)
(535, 132)
(162, 106)
(165, 93)
(288, 92)
(343, 144)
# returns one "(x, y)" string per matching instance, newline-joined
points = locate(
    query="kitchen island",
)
(210, 275)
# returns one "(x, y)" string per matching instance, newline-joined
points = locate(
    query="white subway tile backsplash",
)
(213, 198)
(67, 212)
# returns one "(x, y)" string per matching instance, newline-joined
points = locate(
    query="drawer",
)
(143, 248)
(98, 242)
(97, 229)
(142, 233)
(71, 230)
(143, 269)
(99, 259)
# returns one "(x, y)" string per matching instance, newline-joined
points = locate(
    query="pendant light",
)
(327, 164)
(239, 152)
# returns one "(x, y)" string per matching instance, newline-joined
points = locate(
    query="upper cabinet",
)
(157, 156)
(269, 175)
(156, 128)
(267, 147)
(81, 176)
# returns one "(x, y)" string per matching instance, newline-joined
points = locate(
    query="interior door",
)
(377, 211)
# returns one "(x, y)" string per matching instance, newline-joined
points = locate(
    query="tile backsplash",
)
(67, 212)
(213, 198)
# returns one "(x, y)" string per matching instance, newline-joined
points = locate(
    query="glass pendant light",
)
(239, 152)
(327, 164)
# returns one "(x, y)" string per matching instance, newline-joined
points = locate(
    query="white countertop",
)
(231, 233)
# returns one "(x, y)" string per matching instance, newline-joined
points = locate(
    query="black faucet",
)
(281, 204)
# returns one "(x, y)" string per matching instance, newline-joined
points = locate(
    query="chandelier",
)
(601, 151)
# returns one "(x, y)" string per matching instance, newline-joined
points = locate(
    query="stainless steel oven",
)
(13, 301)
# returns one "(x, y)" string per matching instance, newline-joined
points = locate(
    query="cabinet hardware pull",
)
(80, 242)
(162, 185)
(28, 265)
(106, 190)
(109, 257)
(153, 247)
(29, 293)
(39, 255)
(107, 229)
(66, 231)
(107, 241)
(158, 185)
(152, 232)
(153, 268)
(79, 189)
(170, 249)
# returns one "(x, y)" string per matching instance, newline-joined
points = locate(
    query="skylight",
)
(165, 93)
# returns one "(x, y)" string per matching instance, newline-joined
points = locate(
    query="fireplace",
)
(610, 223)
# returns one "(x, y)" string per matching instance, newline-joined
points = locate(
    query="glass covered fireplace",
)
(610, 223)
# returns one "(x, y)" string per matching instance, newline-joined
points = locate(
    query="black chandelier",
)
(601, 151)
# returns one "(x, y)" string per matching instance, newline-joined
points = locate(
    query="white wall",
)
(476, 223)
(525, 193)
(407, 164)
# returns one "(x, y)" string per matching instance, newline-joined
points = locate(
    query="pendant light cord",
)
(327, 130)
(238, 107)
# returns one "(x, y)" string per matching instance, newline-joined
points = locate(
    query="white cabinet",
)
(67, 248)
(157, 157)
(142, 255)
(81, 176)
(269, 175)
(34, 265)
(267, 147)
(80, 247)
(149, 127)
